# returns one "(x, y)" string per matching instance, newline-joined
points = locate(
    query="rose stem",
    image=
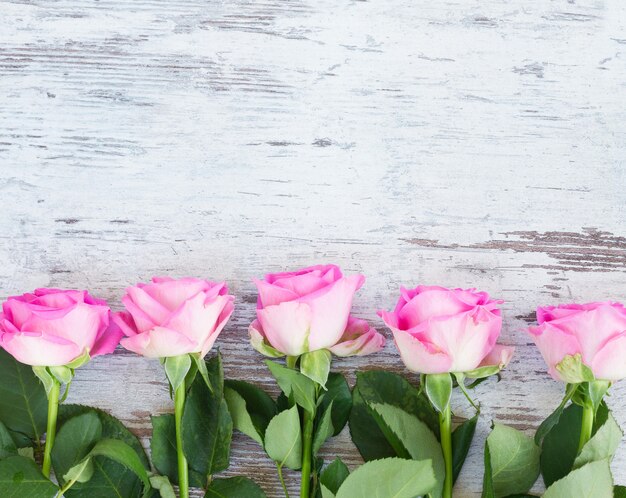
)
(307, 448)
(53, 410)
(183, 471)
(587, 424)
(445, 426)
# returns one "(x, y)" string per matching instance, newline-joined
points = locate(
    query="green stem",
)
(183, 470)
(307, 451)
(587, 425)
(445, 426)
(282, 480)
(51, 429)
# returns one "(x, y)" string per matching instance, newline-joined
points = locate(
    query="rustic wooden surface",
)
(459, 143)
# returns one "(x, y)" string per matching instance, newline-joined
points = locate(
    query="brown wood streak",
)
(591, 250)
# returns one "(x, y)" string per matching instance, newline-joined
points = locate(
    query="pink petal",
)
(160, 343)
(156, 312)
(107, 340)
(270, 294)
(195, 320)
(79, 324)
(330, 309)
(125, 322)
(142, 321)
(498, 356)
(358, 339)
(226, 313)
(287, 327)
(420, 356)
(430, 304)
(173, 293)
(40, 349)
(610, 362)
(554, 345)
(466, 337)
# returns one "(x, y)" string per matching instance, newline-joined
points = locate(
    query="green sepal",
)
(316, 365)
(573, 371)
(176, 369)
(47, 379)
(439, 390)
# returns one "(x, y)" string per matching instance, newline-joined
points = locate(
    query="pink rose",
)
(596, 331)
(441, 330)
(308, 310)
(53, 327)
(171, 317)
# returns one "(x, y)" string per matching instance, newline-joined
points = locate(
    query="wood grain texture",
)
(459, 143)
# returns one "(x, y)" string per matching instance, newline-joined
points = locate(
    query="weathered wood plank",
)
(460, 143)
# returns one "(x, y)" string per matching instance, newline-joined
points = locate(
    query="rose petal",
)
(156, 312)
(125, 322)
(498, 356)
(554, 344)
(358, 339)
(330, 309)
(173, 293)
(287, 326)
(107, 340)
(270, 294)
(160, 343)
(610, 362)
(40, 349)
(420, 356)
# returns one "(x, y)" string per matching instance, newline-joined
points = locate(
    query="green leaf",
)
(573, 371)
(332, 477)
(20, 477)
(163, 486)
(416, 438)
(488, 491)
(602, 445)
(593, 480)
(514, 461)
(110, 478)
(176, 369)
(201, 366)
(293, 383)
(7, 444)
(241, 418)
(619, 492)
(283, 439)
(389, 478)
(338, 393)
(323, 429)
(23, 401)
(74, 441)
(316, 365)
(462, 438)
(259, 406)
(207, 426)
(560, 445)
(439, 390)
(163, 449)
(117, 451)
(379, 386)
(234, 487)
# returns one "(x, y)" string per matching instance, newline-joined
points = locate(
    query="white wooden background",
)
(463, 143)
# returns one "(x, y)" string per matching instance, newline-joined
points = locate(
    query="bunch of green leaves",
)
(277, 424)
(392, 418)
(207, 427)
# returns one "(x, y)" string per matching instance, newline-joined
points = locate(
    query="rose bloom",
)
(596, 331)
(53, 327)
(169, 317)
(308, 310)
(441, 330)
